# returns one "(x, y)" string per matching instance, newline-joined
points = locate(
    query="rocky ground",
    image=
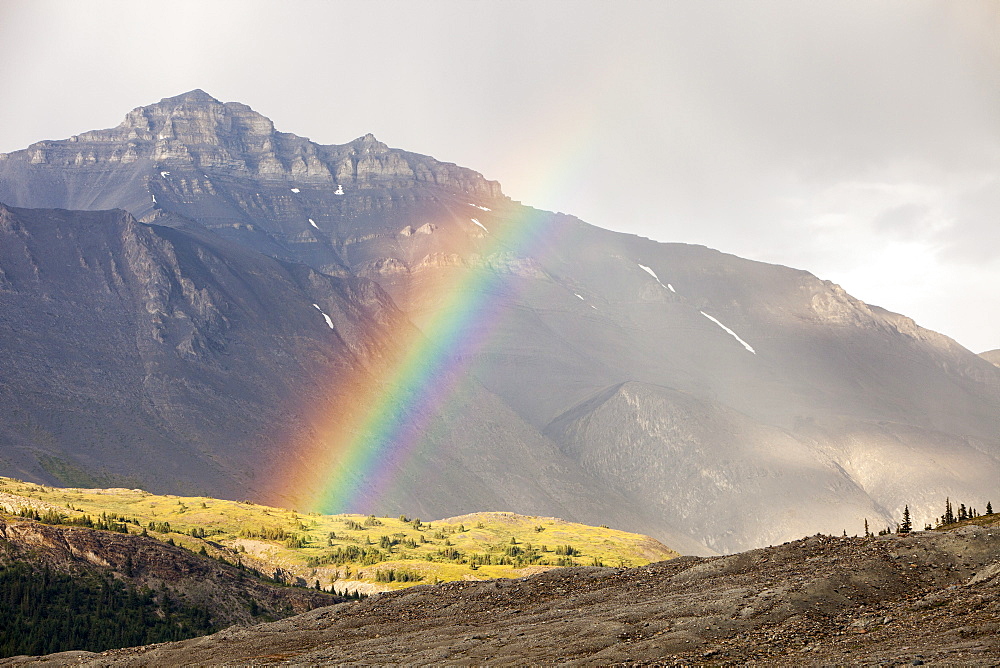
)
(930, 598)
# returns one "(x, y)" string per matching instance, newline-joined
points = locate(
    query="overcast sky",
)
(860, 141)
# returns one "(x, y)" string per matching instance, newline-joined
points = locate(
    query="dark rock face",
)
(663, 388)
(822, 600)
(161, 357)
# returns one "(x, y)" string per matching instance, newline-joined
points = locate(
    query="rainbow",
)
(359, 452)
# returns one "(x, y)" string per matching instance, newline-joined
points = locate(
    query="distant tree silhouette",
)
(906, 526)
(949, 515)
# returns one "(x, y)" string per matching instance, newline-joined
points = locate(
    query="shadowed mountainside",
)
(228, 594)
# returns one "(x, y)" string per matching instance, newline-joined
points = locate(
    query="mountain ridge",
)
(991, 356)
(198, 132)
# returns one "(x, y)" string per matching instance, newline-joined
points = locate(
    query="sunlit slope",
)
(345, 552)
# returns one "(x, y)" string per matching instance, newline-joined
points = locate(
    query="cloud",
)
(823, 135)
(975, 236)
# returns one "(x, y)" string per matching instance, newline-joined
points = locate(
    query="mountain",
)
(713, 402)
(991, 356)
(929, 598)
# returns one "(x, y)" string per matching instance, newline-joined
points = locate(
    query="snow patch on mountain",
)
(653, 274)
(730, 332)
(325, 316)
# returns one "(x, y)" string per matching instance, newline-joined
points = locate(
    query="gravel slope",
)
(931, 597)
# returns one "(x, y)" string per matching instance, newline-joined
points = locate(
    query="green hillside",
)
(343, 552)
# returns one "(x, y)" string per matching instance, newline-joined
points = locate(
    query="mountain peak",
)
(369, 144)
(192, 96)
(197, 132)
(195, 118)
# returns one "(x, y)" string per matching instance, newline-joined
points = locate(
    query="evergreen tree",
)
(906, 526)
(949, 515)
(43, 612)
(989, 508)
(962, 513)
(868, 533)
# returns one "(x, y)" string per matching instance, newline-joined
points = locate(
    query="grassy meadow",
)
(340, 552)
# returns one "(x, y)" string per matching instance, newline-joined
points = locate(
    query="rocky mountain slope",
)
(612, 379)
(144, 353)
(176, 361)
(928, 598)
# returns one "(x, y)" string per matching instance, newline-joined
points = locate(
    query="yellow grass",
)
(247, 532)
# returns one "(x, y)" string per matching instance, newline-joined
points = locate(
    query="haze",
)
(860, 141)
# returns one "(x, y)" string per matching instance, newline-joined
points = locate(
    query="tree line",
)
(43, 611)
(948, 517)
